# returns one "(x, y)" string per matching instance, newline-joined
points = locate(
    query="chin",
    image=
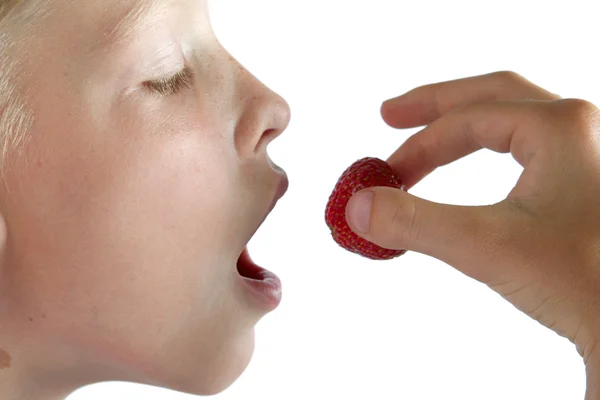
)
(220, 373)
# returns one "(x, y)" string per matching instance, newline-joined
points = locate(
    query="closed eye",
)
(184, 79)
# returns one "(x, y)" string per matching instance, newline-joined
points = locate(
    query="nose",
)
(264, 117)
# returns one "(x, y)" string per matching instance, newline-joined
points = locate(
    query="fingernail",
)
(359, 210)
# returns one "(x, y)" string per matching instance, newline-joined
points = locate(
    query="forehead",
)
(119, 21)
(113, 16)
(93, 24)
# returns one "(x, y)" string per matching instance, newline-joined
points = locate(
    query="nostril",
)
(267, 137)
(271, 132)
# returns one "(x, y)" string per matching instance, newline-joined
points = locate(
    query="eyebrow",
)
(122, 26)
(139, 11)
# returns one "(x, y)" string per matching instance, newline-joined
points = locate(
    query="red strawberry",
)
(364, 173)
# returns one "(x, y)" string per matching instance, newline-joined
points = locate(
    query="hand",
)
(540, 247)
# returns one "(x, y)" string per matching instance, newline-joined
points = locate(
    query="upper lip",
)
(282, 187)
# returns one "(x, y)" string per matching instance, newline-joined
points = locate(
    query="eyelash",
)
(184, 79)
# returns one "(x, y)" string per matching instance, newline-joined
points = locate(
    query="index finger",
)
(425, 104)
(521, 128)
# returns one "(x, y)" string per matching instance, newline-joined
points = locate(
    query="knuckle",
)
(403, 227)
(508, 76)
(423, 149)
(440, 104)
(578, 107)
(521, 86)
(578, 115)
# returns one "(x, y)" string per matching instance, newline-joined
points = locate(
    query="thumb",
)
(394, 219)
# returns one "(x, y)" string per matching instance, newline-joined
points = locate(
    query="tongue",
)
(248, 269)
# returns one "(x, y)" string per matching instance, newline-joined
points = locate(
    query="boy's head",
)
(135, 173)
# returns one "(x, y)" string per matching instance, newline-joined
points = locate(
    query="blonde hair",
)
(6, 6)
(15, 118)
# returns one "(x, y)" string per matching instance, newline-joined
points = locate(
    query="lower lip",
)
(265, 290)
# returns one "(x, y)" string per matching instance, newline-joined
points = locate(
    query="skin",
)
(124, 216)
(117, 257)
(540, 247)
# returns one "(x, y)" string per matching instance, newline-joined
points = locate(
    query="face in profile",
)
(130, 206)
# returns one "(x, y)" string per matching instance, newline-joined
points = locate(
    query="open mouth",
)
(262, 285)
(248, 268)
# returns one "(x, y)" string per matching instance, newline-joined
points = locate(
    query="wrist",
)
(591, 359)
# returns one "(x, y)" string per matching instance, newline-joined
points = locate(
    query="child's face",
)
(132, 202)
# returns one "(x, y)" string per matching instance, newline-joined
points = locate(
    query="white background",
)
(412, 328)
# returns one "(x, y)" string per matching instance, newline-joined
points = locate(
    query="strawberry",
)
(364, 173)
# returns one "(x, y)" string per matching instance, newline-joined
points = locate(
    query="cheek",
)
(161, 210)
(133, 243)
(168, 200)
